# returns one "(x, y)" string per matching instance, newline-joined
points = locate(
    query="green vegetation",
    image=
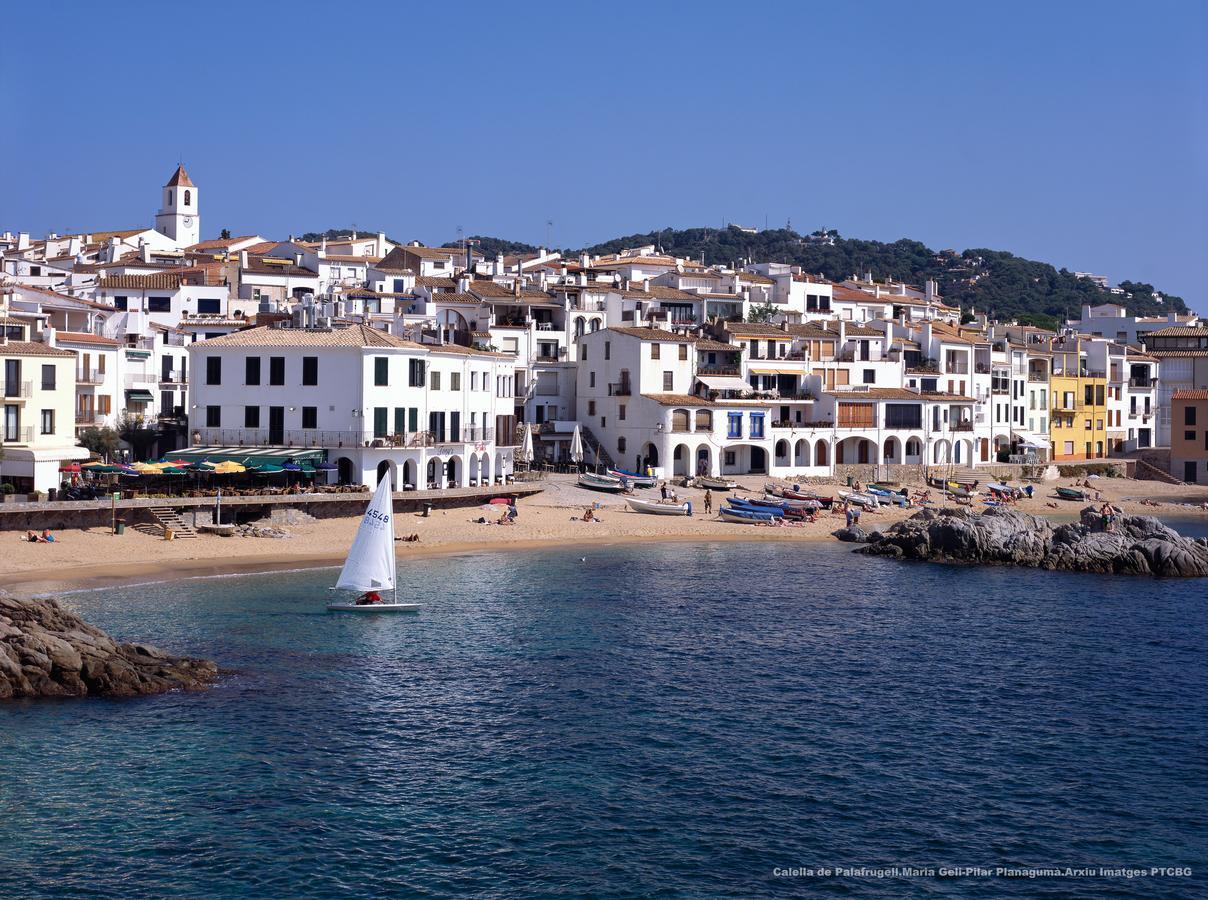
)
(491, 247)
(101, 441)
(991, 281)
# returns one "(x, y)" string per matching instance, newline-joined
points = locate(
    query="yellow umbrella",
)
(229, 468)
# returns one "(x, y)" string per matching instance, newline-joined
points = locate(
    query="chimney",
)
(243, 259)
(323, 245)
(145, 253)
(929, 290)
(584, 258)
(298, 260)
(498, 264)
(516, 288)
(646, 285)
(23, 240)
(463, 285)
(842, 333)
(49, 336)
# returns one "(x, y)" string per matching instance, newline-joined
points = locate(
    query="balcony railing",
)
(981, 368)
(174, 376)
(623, 389)
(140, 378)
(857, 423)
(1038, 377)
(956, 369)
(88, 417)
(20, 435)
(961, 426)
(89, 376)
(17, 390)
(1142, 382)
(309, 437)
(717, 370)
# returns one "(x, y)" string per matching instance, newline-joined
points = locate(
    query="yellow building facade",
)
(1078, 405)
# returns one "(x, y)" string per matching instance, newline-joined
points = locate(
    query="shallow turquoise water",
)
(668, 720)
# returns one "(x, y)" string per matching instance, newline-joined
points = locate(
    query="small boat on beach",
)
(787, 503)
(370, 565)
(636, 480)
(795, 493)
(770, 506)
(659, 507)
(607, 483)
(715, 484)
(748, 516)
(868, 501)
(1066, 493)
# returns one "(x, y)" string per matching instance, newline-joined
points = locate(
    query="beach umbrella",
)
(291, 466)
(229, 468)
(576, 446)
(268, 469)
(326, 466)
(526, 446)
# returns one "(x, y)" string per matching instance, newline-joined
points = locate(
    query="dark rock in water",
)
(46, 651)
(852, 534)
(1136, 545)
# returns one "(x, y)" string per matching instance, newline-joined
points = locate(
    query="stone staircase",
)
(167, 518)
(1148, 472)
(591, 446)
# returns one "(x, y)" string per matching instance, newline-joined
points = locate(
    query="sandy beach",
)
(94, 558)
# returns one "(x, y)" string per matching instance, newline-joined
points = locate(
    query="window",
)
(1099, 390)
(621, 412)
(656, 351)
(583, 352)
(735, 425)
(48, 377)
(621, 445)
(214, 369)
(213, 417)
(251, 370)
(455, 381)
(413, 420)
(730, 457)
(603, 421)
(591, 379)
(870, 376)
(48, 421)
(415, 373)
(1187, 435)
(1188, 414)
(756, 425)
(251, 417)
(120, 303)
(188, 197)
(668, 380)
(310, 417)
(400, 420)
(159, 304)
(474, 381)
(608, 349)
(591, 407)
(1069, 448)
(276, 370)
(379, 421)
(310, 370)
(1089, 394)
(209, 306)
(381, 370)
(683, 351)
(436, 381)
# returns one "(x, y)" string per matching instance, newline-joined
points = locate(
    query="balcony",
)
(142, 378)
(89, 376)
(87, 417)
(1038, 377)
(961, 426)
(19, 435)
(717, 370)
(956, 369)
(1143, 382)
(175, 376)
(17, 390)
(622, 389)
(857, 423)
(305, 437)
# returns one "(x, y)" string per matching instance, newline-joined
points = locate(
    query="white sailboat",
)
(370, 563)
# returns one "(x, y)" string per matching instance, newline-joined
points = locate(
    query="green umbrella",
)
(268, 469)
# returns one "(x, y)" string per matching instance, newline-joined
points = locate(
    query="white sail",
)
(370, 563)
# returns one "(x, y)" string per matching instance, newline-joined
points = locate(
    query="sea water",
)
(669, 720)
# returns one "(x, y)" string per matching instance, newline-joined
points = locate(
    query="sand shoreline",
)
(85, 559)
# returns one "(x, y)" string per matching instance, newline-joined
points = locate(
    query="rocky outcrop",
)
(1135, 545)
(46, 651)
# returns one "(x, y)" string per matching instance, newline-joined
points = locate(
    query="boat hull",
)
(635, 480)
(716, 484)
(654, 508)
(336, 606)
(746, 517)
(597, 483)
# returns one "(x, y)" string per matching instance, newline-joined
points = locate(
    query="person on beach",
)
(708, 501)
(663, 490)
(46, 537)
(31, 536)
(588, 515)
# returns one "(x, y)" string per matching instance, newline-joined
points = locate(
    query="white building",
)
(372, 403)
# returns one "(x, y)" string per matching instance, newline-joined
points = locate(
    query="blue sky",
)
(1070, 132)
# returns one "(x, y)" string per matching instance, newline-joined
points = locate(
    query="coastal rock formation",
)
(46, 651)
(1136, 545)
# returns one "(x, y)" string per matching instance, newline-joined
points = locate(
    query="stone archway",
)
(801, 454)
(780, 454)
(681, 460)
(893, 450)
(409, 474)
(939, 452)
(704, 460)
(453, 472)
(821, 453)
(344, 471)
(385, 469)
(650, 453)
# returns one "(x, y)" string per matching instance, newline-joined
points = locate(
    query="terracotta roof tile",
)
(31, 348)
(652, 334)
(180, 178)
(1190, 395)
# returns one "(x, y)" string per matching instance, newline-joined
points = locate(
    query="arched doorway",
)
(801, 454)
(650, 455)
(759, 461)
(681, 459)
(940, 451)
(782, 453)
(344, 470)
(385, 469)
(914, 450)
(704, 460)
(432, 480)
(453, 471)
(892, 447)
(409, 474)
(820, 453)
(484, 469)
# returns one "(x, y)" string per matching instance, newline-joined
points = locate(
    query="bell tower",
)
(178, 216)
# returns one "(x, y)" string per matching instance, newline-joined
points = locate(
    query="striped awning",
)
(249, 456)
